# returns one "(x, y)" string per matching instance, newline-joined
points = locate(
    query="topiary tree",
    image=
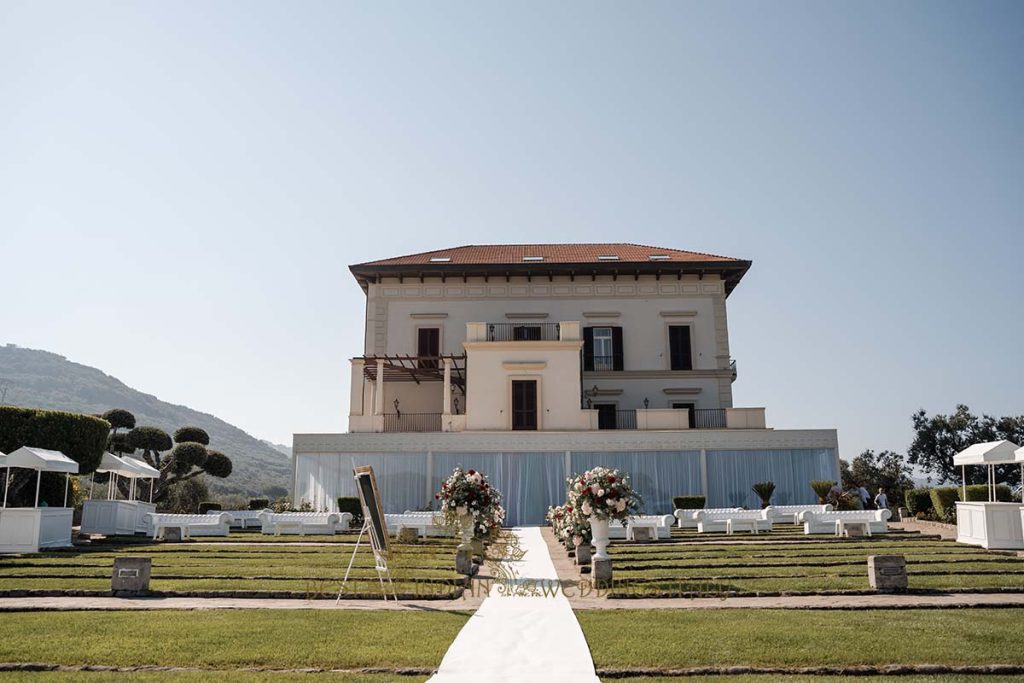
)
(187, 455)
(218, 465)
(119, 419)
(152, 441)
(193, 434)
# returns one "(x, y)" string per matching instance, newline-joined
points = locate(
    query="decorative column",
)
(447, 386)
(378, 396)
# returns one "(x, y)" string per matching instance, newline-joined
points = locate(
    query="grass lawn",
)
(677, 639)
(426, 570)
(769, 678)
(202, 677)
(783, 563)
(231, 639)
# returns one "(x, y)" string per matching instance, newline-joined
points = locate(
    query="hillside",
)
(40, 379)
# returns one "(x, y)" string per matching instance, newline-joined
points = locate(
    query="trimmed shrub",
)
(119, 419)
(352, 506)
(688, 502)
(259, 503)
(217, 464)
(944, 501)
(979, 492)
(186, 456)
(207, 506)
(194, 434)
(82, 438)
(149, 439)
(918, 501)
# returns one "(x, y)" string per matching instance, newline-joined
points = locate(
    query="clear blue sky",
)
(182, 185)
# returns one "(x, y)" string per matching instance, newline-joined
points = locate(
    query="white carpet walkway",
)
(517, 638)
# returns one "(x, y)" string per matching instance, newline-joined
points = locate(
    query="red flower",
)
(612, 494)
(437, 496)
(471, 472)
(611, 480)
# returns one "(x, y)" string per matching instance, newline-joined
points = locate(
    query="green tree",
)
(119, 418)
(886, 470)
(184, 496)
(192, 434)
(188, 457)
(939, 437)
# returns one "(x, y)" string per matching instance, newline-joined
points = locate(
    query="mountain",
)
(280, 448)
(40, 379)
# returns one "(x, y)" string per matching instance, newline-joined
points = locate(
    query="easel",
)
(366, 486)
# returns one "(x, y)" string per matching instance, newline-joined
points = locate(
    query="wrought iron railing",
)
(709, 418)
(603, 363)
(625, 419)
(412, 422)
(522, 332)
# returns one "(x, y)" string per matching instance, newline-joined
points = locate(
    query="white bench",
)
(661, 526)
(686, 520)
(838, 521)
(424, 523)
(242, 518)
(303, 523)
(190, 525)
(790, 514)
(728, 520)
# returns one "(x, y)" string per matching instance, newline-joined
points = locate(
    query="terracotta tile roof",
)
(508, 254)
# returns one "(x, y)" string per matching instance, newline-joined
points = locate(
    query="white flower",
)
(621, 505)
(586, 509)
(461, 510)
(600, 492)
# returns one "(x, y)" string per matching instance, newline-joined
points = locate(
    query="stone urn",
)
(466, 523)
(599, 531)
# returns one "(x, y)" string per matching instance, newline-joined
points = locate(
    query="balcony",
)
(523, 332)
(677, 419)
(412, 422)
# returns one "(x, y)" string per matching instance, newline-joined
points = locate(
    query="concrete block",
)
(887, 573)
(131, 575)
(464, 562)
(583, 556)
(172, 534)
(643, 533)
(602, 573)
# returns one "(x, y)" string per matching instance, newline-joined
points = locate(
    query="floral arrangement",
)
(567, 523)
(467, 492)
(602, 493)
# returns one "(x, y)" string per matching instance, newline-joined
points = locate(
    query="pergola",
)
(406, 368)
(989, 455)
(40, 460)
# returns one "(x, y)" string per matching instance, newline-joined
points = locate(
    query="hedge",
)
(979, 492)
(353, 506)
(259, 503)
(688, 502)
(944, 501)
(206, 507)
(83, 438)
(918, 500)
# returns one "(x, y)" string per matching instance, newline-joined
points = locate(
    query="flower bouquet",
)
(601, 495)
(470, 504)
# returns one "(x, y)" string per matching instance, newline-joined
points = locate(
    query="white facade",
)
(531, 376)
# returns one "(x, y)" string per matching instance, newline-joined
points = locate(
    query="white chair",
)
(839, 521)
(790, 514)
(190, 525)
(719, 520)
(686, 520)
(303, 523)
(661, 525)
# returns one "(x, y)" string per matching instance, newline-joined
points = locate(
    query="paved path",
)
(522, 634)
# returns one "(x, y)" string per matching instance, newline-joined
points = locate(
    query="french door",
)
(524, 404)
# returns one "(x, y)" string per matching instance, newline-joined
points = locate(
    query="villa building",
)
(532, 362)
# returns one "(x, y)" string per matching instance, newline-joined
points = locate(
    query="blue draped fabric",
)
(732, 473)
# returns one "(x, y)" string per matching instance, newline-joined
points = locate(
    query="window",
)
(679, 347)
(533, 258)
(428, 343)
(659, 257)
(607, 257)
(524, 405)
(602, 349)
(440, 259)
(526, 333)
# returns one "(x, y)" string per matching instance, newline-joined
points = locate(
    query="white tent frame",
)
(990, 454)
(41, 460)
(127, 467)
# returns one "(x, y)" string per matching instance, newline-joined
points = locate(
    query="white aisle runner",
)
(521, 638)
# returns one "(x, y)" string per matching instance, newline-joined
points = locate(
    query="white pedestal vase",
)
(466, 523)
(599, 531)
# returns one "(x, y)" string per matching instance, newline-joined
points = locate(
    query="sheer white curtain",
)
(657, 476)
(732, 473)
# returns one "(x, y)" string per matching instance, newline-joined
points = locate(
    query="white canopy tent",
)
(120, 516)
(990, 454)
(27, 530)
(41, 460)
(990, 524)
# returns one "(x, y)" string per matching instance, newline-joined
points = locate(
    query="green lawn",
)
(231, 639)
(203, 677)
(804, 564)
(770, 678)
(676, 639)
(425, 570)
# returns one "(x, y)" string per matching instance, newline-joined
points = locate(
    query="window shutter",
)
(679, 347)
(588, 348)
(617, 348)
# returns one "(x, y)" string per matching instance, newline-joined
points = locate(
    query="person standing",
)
(882, 500)
(865, 496)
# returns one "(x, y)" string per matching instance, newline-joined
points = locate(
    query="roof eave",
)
(730, 271)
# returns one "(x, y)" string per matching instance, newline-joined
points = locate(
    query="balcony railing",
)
(502, 332)
(709, 418)
(625, 419)
(412, 422)
(604, 363)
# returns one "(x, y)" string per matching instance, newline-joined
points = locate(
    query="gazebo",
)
(989, 523)
(27, 530)
(120, 516)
